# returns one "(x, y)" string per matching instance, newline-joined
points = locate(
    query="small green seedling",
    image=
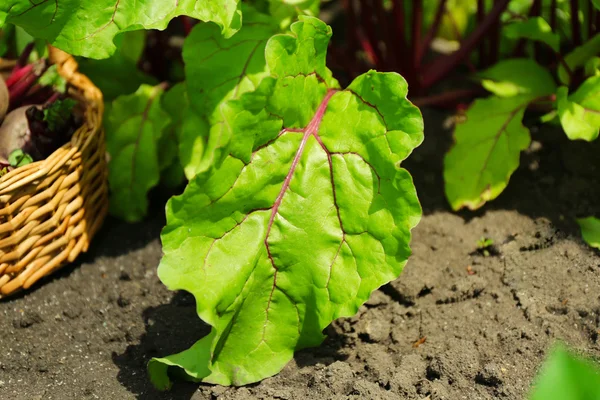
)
(484, 244)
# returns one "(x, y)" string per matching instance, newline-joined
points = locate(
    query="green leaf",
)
(134, 126)
(592, 66)
(567, 377)
(176, 104)
(596, 4)
(534, 28)
(579, 57)
(218, 69)
(18, 158)
(486, 151)
(22, 39)
(119, 74)
(306, 215)
(7, 34)
(58, 114)
(88, 27)
(590, 230)
(52, 78)
(516, 77)
(579, 113)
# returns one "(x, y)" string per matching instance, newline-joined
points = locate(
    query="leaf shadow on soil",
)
(174, 327)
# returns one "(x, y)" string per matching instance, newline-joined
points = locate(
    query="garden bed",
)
(455, 325)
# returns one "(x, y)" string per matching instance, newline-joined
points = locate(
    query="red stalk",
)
(398, 13)
(21, 87)
(22, 60)
(187, 24)
(352, 36)
(482, 47)
(575, 26)
(18, 74)
(55, 96)
(417, 26)
(390, 61)
(368, 48)
(371, 35)
(447, 97)
(433, 29)
(440, 67)
(494, 42)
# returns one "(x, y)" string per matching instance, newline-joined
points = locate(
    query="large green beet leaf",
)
(306, 214)
(88, 27)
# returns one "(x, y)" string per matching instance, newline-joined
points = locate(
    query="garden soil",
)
(458, 324)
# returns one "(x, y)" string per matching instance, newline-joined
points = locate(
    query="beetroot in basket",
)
(37, 117)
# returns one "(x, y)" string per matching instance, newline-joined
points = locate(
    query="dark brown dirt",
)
(484, 323)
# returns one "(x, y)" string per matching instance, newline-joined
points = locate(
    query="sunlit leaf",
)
(306, 215)
(590, 230)
(486, 151)
(88, 27)
(580, 112)
(518, 76)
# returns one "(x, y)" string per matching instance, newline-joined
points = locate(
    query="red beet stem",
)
(18, 74)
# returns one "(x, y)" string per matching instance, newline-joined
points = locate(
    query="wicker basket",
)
(50, 209)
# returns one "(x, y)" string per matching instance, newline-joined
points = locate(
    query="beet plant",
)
(303, 215)
(296, 206)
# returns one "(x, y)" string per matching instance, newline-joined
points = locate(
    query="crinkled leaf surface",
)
(579, 57)
(535, 28)
(579, 113)
(88, 27)
(134, 125)
(590, 230)
(119, 74)
(565, 376)
(486, 151)
(518, 76)
(219, 69)
(307, 214)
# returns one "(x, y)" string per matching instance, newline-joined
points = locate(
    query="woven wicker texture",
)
(51, 209)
